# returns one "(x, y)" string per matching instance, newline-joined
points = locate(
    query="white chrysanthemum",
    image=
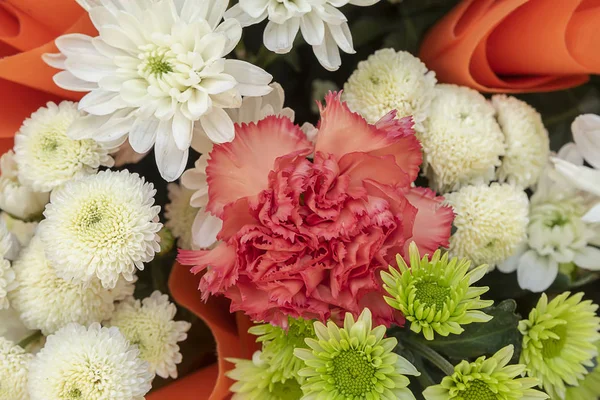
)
(21, 230)
(47, 302)
(149, 324)
(9, 244)
(16, 199)
(157, 68)
(104, 225)
(14, 363)
(322, 25)
(527, 142)
(462, 141)
(92, 363)
(11, 326)
(180, 215)
(390, 80)
(47, 157)
(7, 282)
(491, 222)
(557, 234)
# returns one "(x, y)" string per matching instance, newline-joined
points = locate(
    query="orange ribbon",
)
(515, 46)
(229, 330)
(28, 29)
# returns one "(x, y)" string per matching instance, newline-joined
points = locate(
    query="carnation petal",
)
(241, 168)
(433, 221)
(341, 132)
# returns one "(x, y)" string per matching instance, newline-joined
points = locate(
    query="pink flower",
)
(308, 238)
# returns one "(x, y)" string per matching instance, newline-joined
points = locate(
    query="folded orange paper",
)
(515, 45)
(229, 330)
(28, 29)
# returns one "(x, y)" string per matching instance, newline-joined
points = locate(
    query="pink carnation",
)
(308, 238)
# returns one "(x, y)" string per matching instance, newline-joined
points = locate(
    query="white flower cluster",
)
(471, 145)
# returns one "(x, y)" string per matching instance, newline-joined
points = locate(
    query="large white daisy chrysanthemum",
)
(47, 302)
(47, 157)
(157, 68)
(92, 363)
(390, 80)
(149, 324)
(14, 362)
(323, 26)
(17, 199)
(527, 142)
(103, 225)
(462, 141)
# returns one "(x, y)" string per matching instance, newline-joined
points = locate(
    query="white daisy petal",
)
(328, 52)
(313, 29)
(218, 126)
(586, 134)
(588, 258)
(169, 158)
(279, 38)
(536, 273)
(205, 229)
(143, 134)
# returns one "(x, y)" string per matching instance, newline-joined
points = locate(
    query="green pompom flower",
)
(436, 295)
(559, 341)
(279, 345)
(255, 380)
(354, 362)
(486, 379)
(589, 387)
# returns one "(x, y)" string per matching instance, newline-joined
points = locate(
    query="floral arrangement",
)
(195, 207)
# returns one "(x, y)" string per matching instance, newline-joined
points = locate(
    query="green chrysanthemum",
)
(354, 362)
(559, 341)
(589, 388)
(436, 295)
(255, 380)
(279, 344)
(486, 379)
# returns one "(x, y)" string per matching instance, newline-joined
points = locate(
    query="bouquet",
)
(205, 200)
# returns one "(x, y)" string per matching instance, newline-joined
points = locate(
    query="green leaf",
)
(484, 338)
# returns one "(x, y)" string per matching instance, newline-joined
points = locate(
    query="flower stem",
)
(434, 357)
(34, 337)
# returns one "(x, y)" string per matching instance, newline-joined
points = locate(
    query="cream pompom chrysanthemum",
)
(390, 80)
(462, 141)
(180, 215)
(47, 157)
(17, 199)
(491, 222)
(92, 363)
(7, 282)
(149, 324)
(14, 363)
(47, 302)
(104, 225)
(527, 142)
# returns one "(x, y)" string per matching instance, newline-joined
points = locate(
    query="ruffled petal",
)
(241, 168)
(205, 229)
(433, 222)
(341, 132)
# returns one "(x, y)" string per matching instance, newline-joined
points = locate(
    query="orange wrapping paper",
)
(515, 45)
(230, 332)
(27, 30)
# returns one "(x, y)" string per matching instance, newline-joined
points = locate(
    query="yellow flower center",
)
(432, 294)
(353, 374)
(478, 390)
(553, 347)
